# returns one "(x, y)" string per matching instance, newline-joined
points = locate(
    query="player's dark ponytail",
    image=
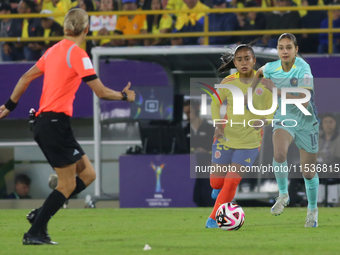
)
(228, 61)
(290, 37)
(228, 58)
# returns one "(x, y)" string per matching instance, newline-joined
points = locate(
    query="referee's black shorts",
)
(54, 135)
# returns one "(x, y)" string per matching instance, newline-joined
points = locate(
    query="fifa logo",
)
(158, 171)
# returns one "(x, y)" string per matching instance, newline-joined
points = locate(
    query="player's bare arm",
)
(108, 94)
(258, 124)
(20, 88)
(269, 84)
(258, 75)
(255, 82)
(219, 131)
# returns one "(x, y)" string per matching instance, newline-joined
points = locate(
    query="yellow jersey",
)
(133, 26)
(183, 19)
(62, 7)
(238, 134)
(175, 5)
(164, 23)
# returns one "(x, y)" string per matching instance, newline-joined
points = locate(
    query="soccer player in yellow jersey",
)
(158, 24)
(130, 25)
(236, 144)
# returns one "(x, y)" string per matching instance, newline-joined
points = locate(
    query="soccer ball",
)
(230, 216)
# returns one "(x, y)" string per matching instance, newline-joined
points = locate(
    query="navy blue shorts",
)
(224, 155)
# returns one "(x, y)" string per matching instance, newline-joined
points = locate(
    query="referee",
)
(64, 66)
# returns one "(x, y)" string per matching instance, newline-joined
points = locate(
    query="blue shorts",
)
(223, 155)
(307, 139)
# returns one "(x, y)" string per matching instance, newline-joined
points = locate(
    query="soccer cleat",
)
(312, 218)
(28, 239)
(44, 234)
(211, 223)
(32, 215)
(214, 193)
(31, 218)
(281, 202)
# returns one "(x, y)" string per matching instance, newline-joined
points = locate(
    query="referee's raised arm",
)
(108, 94)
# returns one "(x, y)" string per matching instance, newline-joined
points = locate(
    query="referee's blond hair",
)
(76, 20)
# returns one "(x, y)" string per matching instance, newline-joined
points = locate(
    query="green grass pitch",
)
(173, 231)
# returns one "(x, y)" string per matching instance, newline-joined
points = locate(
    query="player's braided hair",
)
(76, 20)
(228, 58)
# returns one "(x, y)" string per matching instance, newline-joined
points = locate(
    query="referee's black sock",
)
(80, 186)
(50, 207)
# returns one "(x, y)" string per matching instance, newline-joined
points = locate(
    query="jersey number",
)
(219, 147)
(314, 138)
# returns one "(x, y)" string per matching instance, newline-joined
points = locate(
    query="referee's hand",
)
(130, 93)
(3, 112)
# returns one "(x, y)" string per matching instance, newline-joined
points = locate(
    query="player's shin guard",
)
(228, 191)
(216, 181)
(281, 175)
(50, 207)
(312, 187)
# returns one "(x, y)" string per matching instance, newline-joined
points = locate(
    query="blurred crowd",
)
(159, 24)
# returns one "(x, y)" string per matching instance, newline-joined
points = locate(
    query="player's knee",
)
(92, 176)
(280, 156)
(67, 187)
(308, 174)
(89, 177)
